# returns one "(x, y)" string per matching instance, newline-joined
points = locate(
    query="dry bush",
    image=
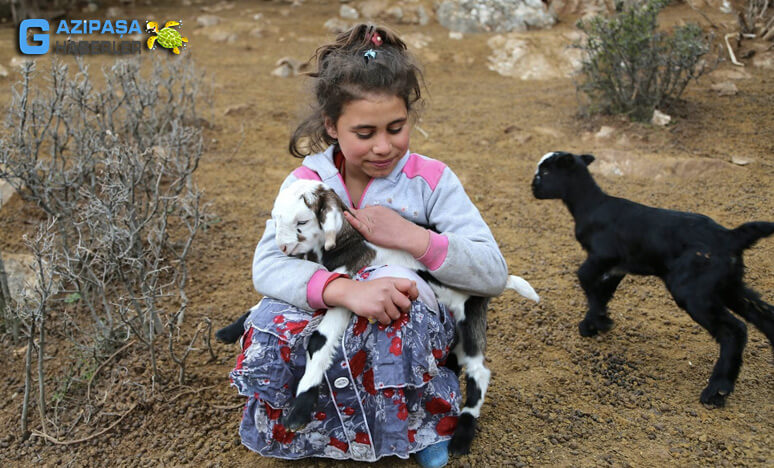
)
(112, 168)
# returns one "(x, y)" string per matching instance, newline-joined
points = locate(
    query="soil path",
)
(629, 397)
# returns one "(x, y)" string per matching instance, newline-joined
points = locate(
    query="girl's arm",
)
(460, 251)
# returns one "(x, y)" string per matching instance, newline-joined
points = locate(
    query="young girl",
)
(387, 391)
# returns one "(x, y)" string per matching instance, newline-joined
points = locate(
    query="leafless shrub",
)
(113, 165)
(31, 312)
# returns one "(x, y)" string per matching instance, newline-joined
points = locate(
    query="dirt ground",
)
(627, 398)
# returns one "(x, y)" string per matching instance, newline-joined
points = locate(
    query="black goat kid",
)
(699, 261)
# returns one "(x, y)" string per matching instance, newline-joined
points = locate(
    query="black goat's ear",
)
(565, 160)
(587, 158)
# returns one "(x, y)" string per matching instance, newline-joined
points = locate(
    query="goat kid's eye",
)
(301, 223)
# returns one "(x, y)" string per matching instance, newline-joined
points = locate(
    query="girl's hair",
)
(363, 60)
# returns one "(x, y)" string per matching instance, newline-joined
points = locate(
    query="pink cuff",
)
(436, 252)
(316, 286)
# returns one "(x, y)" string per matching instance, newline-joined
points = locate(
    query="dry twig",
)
(96, 371)
(731, 52)
(56, 441)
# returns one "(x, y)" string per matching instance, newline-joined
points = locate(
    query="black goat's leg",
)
(470, 354)
(320, 351)
(746, 302)
(599, 285)
(709, 311)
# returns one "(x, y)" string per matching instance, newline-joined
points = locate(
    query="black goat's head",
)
(558, 172)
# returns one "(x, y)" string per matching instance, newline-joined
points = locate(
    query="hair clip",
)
(369, 54)
(376, 39)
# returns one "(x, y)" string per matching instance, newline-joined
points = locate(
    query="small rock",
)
(223, 36)
(726, 88)
(114, 12)
(373, 8)
(764, 60)
(661, 119)
(455, 35)
(604, 133)
(740, 161)
(289, 66)
(348, 12)
(19, 61)
(206, 21)
(238, 109)
(395, 13)
(3, 72)
(336, 25)
(218, 7)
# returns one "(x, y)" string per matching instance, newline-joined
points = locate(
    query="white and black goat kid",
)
(309, 223)
(699, 261)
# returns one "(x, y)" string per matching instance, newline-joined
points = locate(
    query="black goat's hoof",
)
(591, 327)
(716, 393)
(463, 435)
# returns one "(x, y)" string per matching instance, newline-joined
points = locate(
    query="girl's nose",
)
(382, 145)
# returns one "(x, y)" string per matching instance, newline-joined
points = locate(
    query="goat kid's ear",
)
(587, 158)
(565, 160)
(331, 218)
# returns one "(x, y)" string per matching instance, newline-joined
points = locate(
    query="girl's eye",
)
(395, 131)
(364, 136)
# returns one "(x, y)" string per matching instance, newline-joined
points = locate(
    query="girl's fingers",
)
(401, 301)
(361, 227)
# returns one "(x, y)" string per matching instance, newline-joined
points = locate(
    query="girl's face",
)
(373, 135)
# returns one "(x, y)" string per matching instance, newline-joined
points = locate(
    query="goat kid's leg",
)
(730, 333)
(232, 332)
(746, 302)
(599, 286)
(470, 354)
(320, 353)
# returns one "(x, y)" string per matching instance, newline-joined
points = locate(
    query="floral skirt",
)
(386, 392)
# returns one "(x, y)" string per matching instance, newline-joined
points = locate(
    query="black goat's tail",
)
(231, 333)
(748, 234)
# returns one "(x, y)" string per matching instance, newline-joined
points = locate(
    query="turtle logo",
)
(167, 37)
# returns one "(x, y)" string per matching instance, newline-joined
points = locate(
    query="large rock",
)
(22, 278)
(612, 162)
(534, 57)
(471, 16)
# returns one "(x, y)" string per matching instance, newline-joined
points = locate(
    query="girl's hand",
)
(386, 228)
(383, 299)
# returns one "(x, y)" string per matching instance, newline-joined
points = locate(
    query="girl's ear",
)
(330, 128)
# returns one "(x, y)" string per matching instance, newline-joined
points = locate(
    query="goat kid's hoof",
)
(715, 394)
(590, 327)
(295, 422)
(297, 418)
(463, 435)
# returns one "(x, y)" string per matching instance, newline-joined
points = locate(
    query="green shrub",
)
(631, 68)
